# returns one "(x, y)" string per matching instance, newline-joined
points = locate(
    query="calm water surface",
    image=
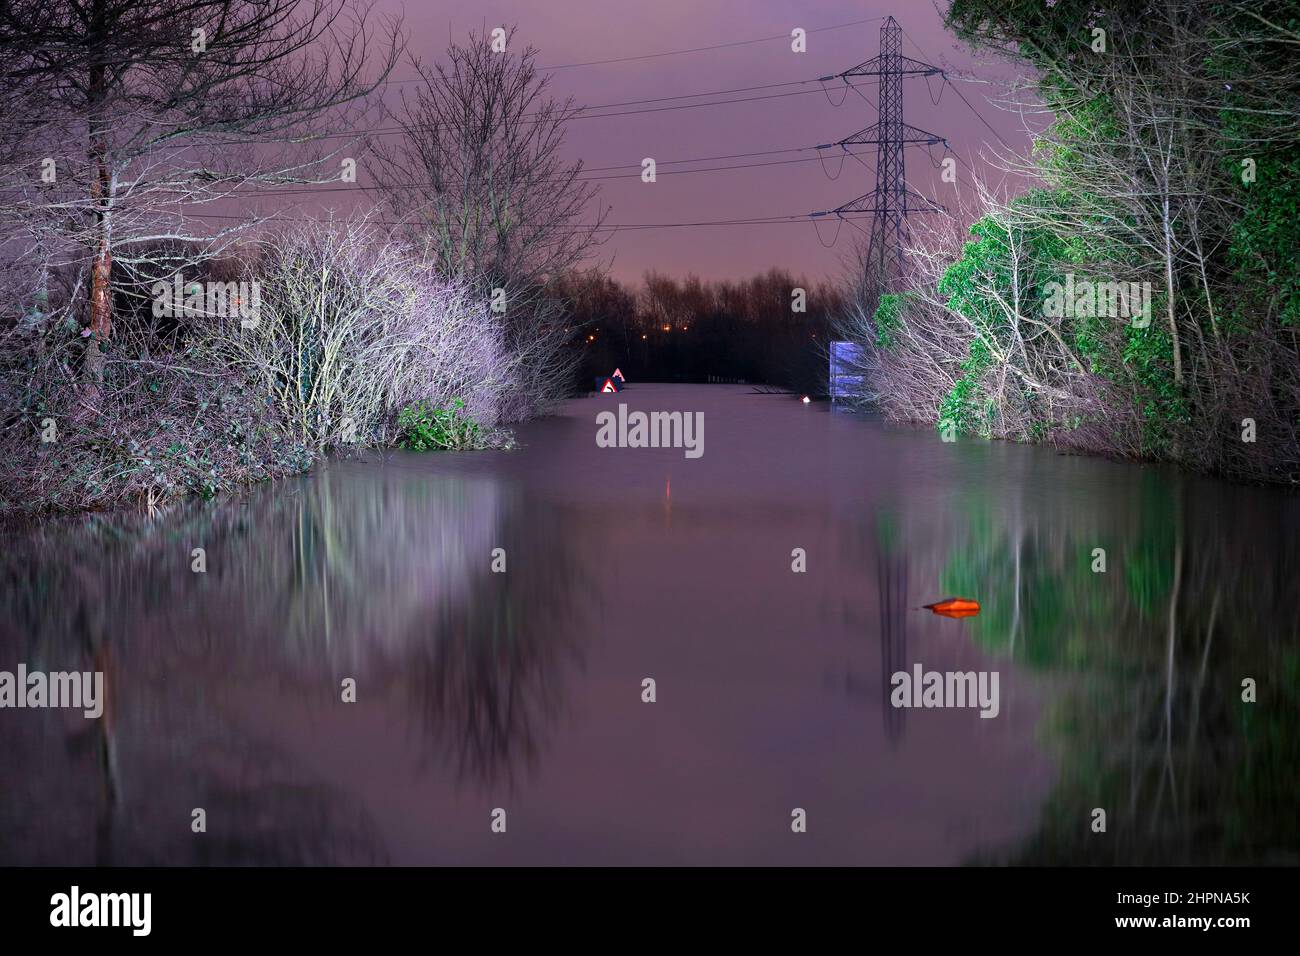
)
(476, 690)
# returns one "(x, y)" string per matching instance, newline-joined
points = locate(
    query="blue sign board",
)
(846, 378)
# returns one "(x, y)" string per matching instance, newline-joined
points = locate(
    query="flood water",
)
(1119, 690)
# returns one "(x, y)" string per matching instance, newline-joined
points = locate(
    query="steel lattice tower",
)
(891, 201)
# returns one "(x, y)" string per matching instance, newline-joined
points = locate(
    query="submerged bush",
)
(423, 428)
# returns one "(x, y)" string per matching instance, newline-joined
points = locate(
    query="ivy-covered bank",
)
(1143, 301)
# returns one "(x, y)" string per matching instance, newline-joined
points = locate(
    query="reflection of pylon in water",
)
(891, 576)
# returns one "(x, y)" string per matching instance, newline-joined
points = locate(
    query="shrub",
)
(424, 428)
(354, 327)
(164, 422)
(351, 328)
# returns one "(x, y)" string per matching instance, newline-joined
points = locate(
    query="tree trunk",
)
(1170, 312)
(99, 323)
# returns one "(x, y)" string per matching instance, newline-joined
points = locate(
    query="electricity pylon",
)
(891, 201)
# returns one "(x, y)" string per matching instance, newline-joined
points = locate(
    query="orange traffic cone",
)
(955, 607)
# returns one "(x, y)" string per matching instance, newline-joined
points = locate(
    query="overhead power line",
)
(696, 49)
(716, 46)
(956, 89)
(310, 189)
(579, 112)
(608, 227)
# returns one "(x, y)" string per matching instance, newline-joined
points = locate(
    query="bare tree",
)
(478, 169)
(152, 109)
(479, 178)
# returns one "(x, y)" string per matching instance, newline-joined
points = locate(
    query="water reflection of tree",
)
(262, 807)
(490, 684)
(393, 585)
(386, 579)
(1147, 719)
(119, 790)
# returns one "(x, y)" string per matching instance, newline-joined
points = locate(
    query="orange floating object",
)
(955, 607)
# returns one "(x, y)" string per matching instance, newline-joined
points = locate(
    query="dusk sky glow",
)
(776, 118)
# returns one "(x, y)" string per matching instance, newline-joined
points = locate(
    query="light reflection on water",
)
(522, 690)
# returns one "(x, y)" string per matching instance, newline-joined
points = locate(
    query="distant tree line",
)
(770, 329)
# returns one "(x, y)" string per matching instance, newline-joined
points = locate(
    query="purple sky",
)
(576, 31)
